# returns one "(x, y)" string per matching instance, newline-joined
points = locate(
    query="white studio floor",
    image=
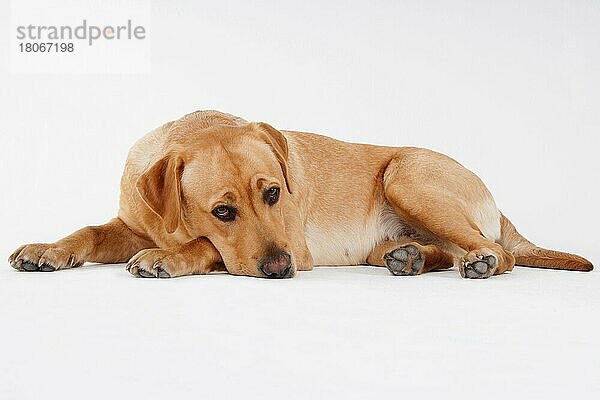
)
(357, 332)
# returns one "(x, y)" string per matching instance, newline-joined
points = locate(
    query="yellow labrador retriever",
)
(212, 192)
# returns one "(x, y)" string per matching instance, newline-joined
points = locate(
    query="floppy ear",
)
(160, 188)
(278, 143)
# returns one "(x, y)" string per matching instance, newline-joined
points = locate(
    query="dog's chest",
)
(351, 242)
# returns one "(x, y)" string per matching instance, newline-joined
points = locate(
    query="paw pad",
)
(406, 260)
(483, 267)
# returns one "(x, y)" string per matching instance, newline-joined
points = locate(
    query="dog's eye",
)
(224, 213)
(271, 195)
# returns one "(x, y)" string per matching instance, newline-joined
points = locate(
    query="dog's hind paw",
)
(405, 260)
(478, 264)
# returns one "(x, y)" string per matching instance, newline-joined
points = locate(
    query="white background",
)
(510, 89)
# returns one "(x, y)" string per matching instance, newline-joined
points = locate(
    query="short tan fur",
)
(212, 192)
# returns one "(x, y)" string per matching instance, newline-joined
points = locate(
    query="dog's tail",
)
(528, 254)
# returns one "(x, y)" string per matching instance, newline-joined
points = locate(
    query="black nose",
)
(276, 265)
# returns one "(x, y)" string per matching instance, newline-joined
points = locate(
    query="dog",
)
(212, 192)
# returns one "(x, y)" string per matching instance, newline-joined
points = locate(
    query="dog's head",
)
(230, 185)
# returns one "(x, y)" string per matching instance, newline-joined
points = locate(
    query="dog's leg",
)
(407, 257)
(436, 193)
(113, 242)
(198, 256)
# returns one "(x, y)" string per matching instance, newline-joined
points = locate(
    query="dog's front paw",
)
(154, 263)
(43, 257)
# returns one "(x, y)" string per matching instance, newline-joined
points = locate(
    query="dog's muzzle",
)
(276, 265)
